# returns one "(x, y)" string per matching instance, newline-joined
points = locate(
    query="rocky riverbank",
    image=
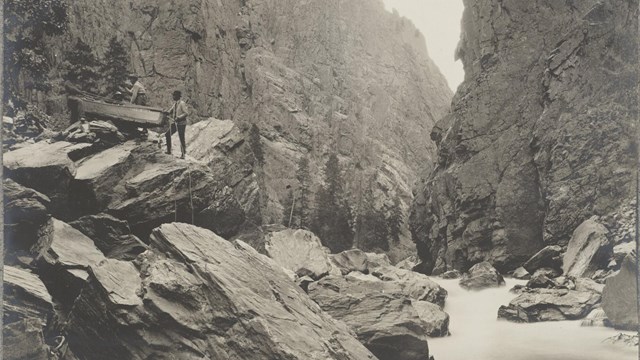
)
(97, 267)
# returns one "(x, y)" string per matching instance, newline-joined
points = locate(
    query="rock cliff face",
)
(315, 76)
(540, 135)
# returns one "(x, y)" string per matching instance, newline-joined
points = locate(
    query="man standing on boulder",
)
(178, 122)
(138, 92)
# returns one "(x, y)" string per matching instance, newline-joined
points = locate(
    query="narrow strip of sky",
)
(439, 22)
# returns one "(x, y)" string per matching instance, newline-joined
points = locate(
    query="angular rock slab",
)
(25, 297)
(27, 221)
(64, 263)
(385, 319)
(210, 299)
(588, 250)
(548, 257)
(481, 276)
(47, 168)
(619, 297)
(98, 176)
(534, 305)
(299, 251)
(111, 235)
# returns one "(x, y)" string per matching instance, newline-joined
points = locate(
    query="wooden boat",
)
(141, 116)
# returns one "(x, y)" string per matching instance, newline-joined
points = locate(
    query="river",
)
(477, 334)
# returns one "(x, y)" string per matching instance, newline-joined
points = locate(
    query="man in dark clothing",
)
(177, 122)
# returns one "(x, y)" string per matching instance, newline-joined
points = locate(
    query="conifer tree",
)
(395, 219)
(114, 69)
(332, 219)
(289, 218)
(256, 144)
(82, 67)
(302, 208)
(371, 224)
(25, 24)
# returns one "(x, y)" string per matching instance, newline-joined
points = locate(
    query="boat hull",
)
(142, 116)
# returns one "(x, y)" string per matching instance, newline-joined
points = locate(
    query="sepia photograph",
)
(320, 179)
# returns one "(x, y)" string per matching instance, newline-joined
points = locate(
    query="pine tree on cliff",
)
(371, 224)
(25, 24)
(303, 176)
(395, 219)
(289, 218)
(82, 67)
(331, 222)
(256, 144)
(114, 68)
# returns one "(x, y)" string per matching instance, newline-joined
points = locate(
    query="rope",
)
(175, 195)
(190, 195)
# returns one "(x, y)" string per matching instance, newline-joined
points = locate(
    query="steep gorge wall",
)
(315, 76)
(540, 136)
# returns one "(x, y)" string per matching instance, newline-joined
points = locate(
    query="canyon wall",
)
(315, 76)
(541, 134)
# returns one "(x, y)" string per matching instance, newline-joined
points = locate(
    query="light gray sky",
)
(439, 22)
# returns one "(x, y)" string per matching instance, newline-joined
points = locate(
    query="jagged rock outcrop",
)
(316, 77)
(540, 135)
(198, 295)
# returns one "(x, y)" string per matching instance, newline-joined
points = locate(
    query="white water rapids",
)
(477, 334)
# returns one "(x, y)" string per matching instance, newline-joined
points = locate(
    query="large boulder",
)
(111, 235)
(620, 296)
(47, 168)
(27, 222)
(197, 295)
(299, 251)
(589, 249)
(481, 276)
(548, 257)
(534, 305)
(166, 191)
(415, 285)
(385, 319)
(351, 260)
(98, 178)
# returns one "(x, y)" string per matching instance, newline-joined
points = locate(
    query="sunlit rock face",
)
(315, 76)
(540, 134)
